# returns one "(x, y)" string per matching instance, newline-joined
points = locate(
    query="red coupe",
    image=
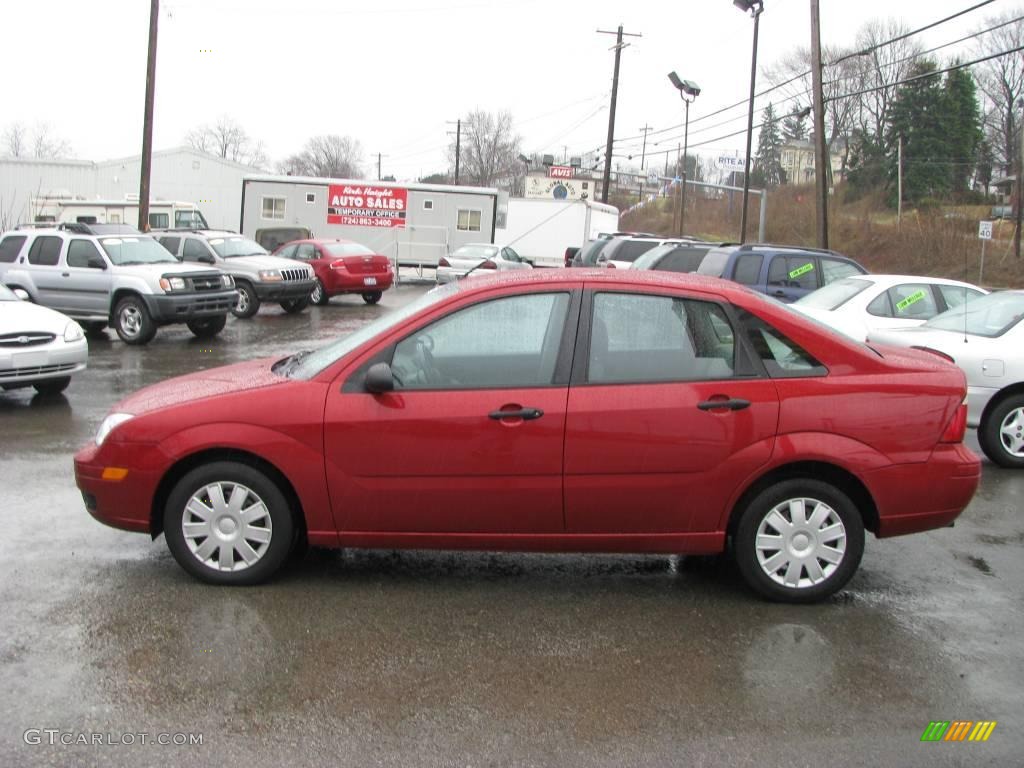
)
(549, 410)
(341, 266)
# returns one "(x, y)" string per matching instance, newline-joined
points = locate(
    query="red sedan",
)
(553, 410)
(341, 266)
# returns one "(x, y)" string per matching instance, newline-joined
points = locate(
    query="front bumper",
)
(123, 503)
(54, 360)
(179, 308)
(284, 290)
(920, 497)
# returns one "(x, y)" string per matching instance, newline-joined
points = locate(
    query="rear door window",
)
(10, 247)
(45, 251)
(913, 301)
(793, 272)
(782, 357)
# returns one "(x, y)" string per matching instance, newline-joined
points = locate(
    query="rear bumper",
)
(920, 497)
(298, 289)
(347, 282)
(179, 309)
(123, 503)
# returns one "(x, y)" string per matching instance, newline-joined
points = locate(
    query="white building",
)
(213, 183)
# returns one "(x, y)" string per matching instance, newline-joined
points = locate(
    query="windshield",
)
(988, 316)
(347, 249)
(189, 220)
(6, 294)
(475, 252)
(834, 295)
(124, 251)
(312, 363)
(232, 247)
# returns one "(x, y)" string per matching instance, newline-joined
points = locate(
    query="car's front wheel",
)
(1001, 434)
(228, 523)
(248, 302)
(132, 321)
(319, 295)
(372, 297)
(207, 327)
(799, 541)
(52, 386)
(294, 306)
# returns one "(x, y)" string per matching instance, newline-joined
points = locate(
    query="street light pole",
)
(755, 8)
(686, 88)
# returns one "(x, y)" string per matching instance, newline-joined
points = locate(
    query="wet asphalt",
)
(362, 658)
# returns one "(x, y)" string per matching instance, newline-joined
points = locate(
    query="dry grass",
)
(943, 242)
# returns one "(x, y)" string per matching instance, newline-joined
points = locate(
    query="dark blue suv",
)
(785, 272)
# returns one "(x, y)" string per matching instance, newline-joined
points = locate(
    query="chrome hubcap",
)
(1012, 433)
(131, 321)
(227, 526)
(243, 300)
(800, 543)
(318, 292)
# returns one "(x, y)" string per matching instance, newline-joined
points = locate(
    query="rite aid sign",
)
(729, 163)
(560, 172)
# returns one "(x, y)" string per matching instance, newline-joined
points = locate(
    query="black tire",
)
(132, 321)
(248, 302)
(319, 295)
(254, 485)
(294, 306)
(92, 327)
(372, 297)
(52, 386)
(833, 575)
(207, 327)
(1008, 412)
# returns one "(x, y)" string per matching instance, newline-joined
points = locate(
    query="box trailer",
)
(540, 230)
(163, 214)
(412, 224)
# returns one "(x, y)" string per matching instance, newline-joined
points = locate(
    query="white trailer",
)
(412, 224)
(163, 214)
(540, 230)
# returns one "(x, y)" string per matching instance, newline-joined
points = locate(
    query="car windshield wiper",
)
(287, 366)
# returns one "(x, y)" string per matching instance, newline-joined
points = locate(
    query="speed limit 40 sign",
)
(985, 230)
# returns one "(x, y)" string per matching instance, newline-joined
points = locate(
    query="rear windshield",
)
(589, 253)
(631, 250)
(347, 249)
(124, 251)
(714, 263)
(834, 295)
(988, 316)
(475, 252)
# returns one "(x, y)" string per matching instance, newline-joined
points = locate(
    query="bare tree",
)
(489, 150)
(881, 68)
(227, 139)
(1002, 82)
(15, 139)
(329, 156)
(41, 142)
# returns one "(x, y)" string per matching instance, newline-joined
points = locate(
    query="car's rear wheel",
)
(228, 523)
(372, 297)
(52, 386)
(207, 327)
(1001, 435)
(799, 541)
(92, 327)
(248, 302)
(293, 306)
(319, 295)
(132, 321)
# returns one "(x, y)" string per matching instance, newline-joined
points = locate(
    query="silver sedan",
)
(985, 337)
(478, 257)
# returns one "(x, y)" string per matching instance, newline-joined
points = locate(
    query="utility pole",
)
(899, 182)
(619, 45)
(643, 156)
(1020, 184)
(458, 146)
(379, 176)
(821, 158)
(147, 119)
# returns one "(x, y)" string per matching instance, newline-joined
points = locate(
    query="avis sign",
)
(560, 172)
(354, 205)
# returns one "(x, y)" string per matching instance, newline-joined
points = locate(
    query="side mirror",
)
(379, 379)
(206, 259)
(21, 293)
(96, 262)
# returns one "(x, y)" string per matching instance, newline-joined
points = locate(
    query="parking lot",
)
(434, 658)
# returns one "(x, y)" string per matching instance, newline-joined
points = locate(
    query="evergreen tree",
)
(986, 163)
(869, 167)
(962, 128)
(917, 115)
(767, 169)
(794, 127)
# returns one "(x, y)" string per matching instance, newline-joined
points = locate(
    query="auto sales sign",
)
(355, 205)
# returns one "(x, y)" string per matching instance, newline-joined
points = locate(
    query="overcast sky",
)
(391, 74)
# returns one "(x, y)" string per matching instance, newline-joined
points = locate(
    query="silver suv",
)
(258, 276)
(124, 279)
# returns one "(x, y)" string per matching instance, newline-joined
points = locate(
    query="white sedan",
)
(478, 256)
(986, 339)
(38, 347)
(857, 306)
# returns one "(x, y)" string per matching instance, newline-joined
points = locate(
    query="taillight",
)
(609, 265)
(337, 265)
(569, 253)
(488, 265)
(443, 262)
(957, 425)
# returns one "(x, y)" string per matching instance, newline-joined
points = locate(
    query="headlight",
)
(73, 332)
(108, 425)
(172, 283)
(270, 275)
(228, 280)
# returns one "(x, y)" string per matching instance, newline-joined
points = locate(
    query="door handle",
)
(526, 414)
(732, 404)
(779, 294)
(65, 274)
